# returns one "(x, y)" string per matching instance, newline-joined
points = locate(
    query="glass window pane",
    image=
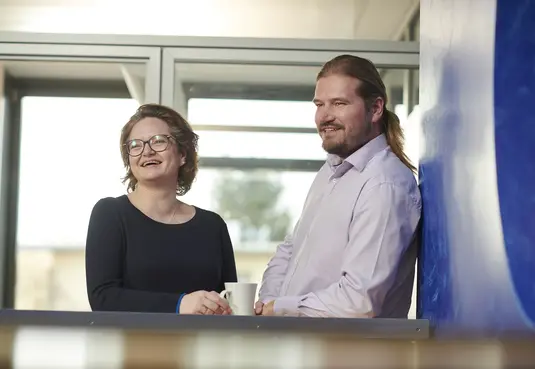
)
(69, 160)
(244, 112)
(260, 206)
(241, 112)
(260, 145)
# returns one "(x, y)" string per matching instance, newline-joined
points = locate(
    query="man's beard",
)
(349, 145)
(339, 148)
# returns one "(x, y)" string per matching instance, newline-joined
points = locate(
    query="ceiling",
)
(315, 19)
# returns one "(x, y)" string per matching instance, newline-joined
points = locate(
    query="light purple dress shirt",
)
(353, 251)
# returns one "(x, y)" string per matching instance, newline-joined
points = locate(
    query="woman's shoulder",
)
(209, 217)
(109, 205)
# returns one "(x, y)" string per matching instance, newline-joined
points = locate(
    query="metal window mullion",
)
(247, 164)
(259, 129)
(287, 57)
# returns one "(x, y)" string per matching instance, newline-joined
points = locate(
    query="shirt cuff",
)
(286, 305)
(264, 300)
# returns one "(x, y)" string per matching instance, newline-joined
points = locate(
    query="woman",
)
(147, 251)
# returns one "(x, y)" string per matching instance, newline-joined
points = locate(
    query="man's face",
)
(341, 117)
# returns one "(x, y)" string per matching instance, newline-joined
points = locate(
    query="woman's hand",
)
(205, 303)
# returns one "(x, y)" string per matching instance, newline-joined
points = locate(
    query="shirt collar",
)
(360, 158)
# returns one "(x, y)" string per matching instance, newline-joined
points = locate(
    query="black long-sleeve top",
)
(136, 264)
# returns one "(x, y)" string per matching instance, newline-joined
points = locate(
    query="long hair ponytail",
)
(395, 138)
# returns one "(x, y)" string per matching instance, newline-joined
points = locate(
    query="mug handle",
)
(224, 295)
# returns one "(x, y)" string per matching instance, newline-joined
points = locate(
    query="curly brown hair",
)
(180, 130)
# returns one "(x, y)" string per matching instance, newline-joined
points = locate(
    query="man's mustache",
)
(330, 125)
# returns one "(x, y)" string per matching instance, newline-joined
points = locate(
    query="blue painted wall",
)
(477, 165)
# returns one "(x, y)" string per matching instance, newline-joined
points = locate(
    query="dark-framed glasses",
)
(156, 143)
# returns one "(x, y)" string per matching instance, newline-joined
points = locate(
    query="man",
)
(353, 250)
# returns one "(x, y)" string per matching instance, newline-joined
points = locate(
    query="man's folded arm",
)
(384, 221)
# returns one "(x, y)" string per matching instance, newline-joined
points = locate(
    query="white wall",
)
(338, 19)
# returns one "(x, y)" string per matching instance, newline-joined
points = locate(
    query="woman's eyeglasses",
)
(156, 143)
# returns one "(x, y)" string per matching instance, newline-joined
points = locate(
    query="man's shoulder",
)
(388, 170)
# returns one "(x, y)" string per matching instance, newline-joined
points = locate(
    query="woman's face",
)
(154, 156)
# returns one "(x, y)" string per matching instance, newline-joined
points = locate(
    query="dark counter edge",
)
(361, 328)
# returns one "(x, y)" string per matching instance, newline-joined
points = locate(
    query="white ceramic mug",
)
(241, 297)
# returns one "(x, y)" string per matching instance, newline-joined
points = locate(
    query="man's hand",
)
(267, 309)
(258, 306)
(264, 309)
